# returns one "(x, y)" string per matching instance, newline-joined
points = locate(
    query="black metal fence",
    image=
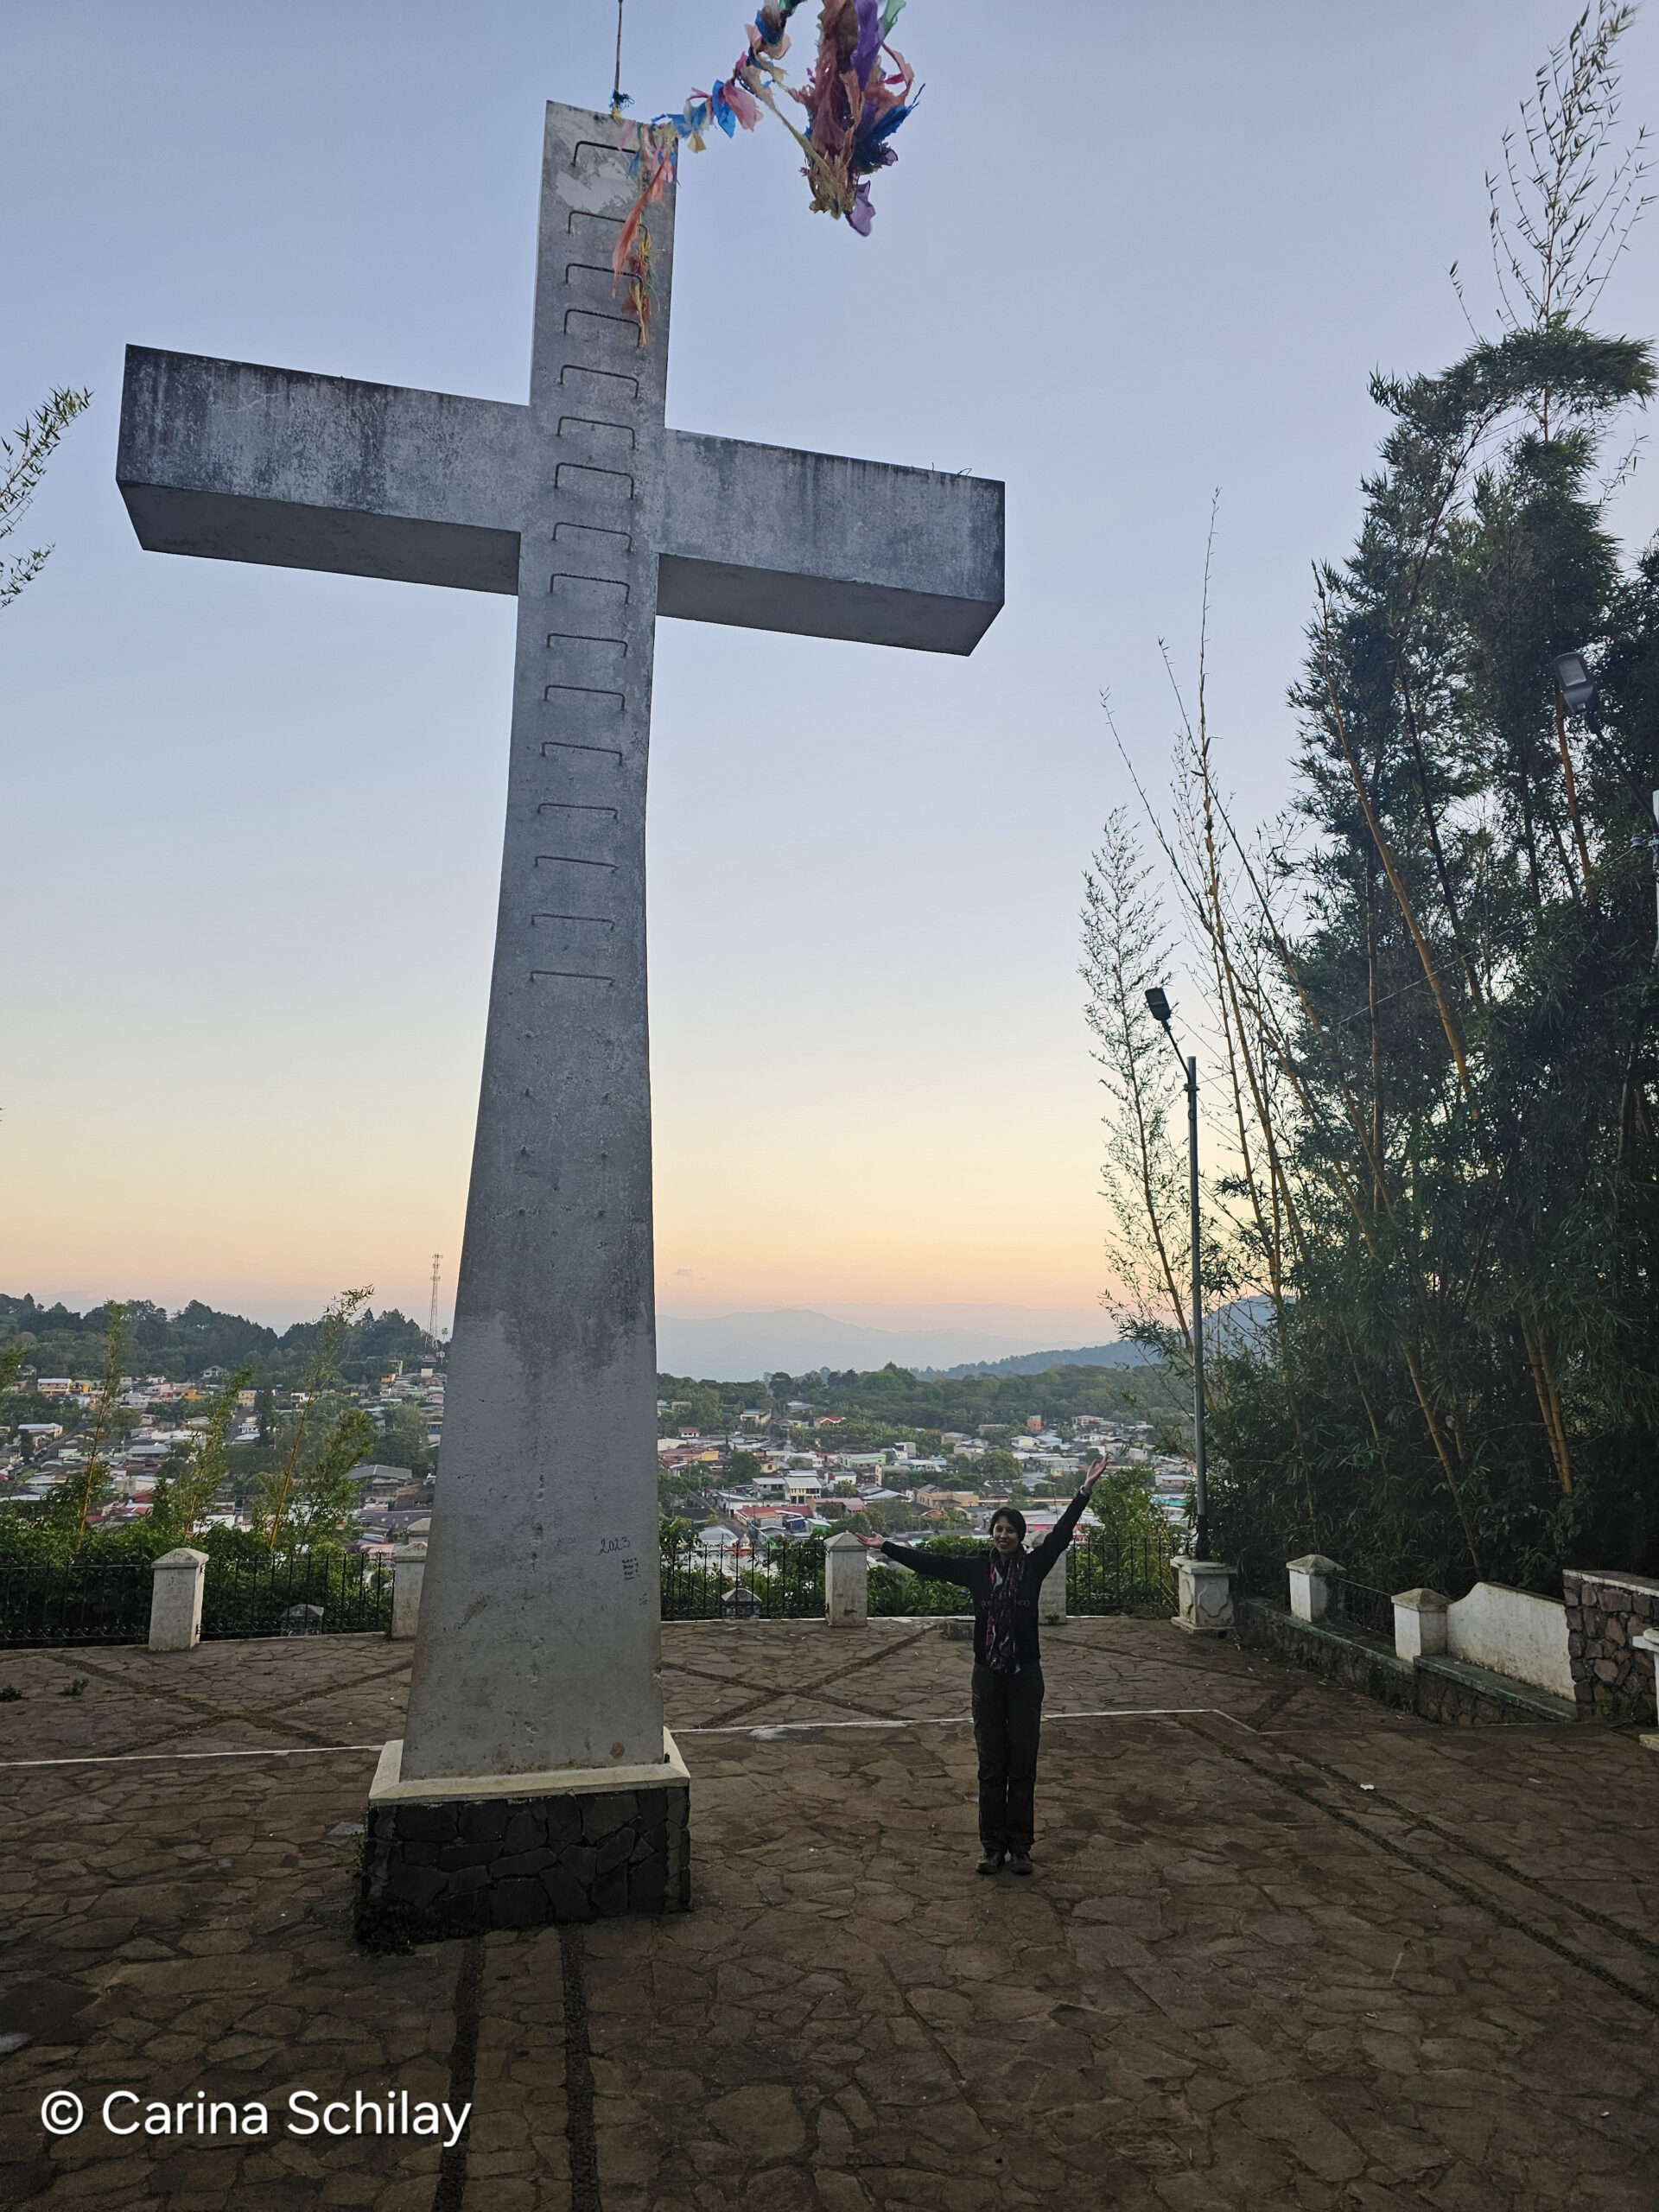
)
(777, 1579)
(1108, 1573)
(1357, 1605)
(750, 1578)
(72, 1603)
(331, 1594)
(302, 1593)
(298, 1593)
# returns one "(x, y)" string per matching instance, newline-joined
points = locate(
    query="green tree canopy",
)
(1434, 986)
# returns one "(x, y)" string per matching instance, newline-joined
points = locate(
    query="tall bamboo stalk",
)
(1385, 854)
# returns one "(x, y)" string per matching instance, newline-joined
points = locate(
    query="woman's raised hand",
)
(870, 1543)
(1096, 1469)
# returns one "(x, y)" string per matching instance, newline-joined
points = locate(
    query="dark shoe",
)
(1019, 1863)
(991, 1863)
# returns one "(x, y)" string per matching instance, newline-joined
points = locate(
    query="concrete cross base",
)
(1205, 1596)
(465, 1852)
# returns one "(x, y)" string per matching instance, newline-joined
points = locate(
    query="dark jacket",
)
(972, 1570)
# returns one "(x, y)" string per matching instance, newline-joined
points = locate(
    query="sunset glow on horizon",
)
(249, 894)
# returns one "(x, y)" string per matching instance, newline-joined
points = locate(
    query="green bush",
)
(895, 1590)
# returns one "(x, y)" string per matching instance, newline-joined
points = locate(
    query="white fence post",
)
(846, 1582)
(1204, 1596)
(175, 1586)
(1313, 1582)
(408, 1572)
(1419, 1624)
(1050, 1597)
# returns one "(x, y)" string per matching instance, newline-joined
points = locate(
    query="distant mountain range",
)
(742, 1347)
(1244, 1323)
(1040, 1363)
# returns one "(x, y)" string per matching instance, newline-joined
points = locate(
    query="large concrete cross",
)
(537, 1649)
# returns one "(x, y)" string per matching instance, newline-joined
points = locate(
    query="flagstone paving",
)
(1284, 1948)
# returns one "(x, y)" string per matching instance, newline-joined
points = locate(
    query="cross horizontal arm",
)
(235, 461)
(772, 539)
(238, 462)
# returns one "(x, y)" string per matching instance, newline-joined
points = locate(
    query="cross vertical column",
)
(538, 1638)
(534, 1780)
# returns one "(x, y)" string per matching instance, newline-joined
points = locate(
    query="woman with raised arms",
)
(1007, 1701)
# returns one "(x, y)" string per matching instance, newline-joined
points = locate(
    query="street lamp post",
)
(1158, 1006)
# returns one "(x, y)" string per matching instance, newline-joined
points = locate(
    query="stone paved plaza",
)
(1284, 1948)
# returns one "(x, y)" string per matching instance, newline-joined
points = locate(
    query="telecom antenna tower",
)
(432, 1311)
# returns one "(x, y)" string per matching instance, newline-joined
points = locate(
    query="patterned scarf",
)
(1006, 1578)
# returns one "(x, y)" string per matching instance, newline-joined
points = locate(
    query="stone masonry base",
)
(468, 1856)
(1605, 1614)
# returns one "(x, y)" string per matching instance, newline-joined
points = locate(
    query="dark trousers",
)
(1008, 1722)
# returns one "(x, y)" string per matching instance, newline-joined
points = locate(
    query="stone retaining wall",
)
(1373, 1671)
(1434, 1689)
(1446, 1693)
(1604, 1613)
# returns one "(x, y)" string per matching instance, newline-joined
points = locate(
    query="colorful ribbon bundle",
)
(853, 103)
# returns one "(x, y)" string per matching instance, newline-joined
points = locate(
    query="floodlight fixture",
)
(1576, 685)
(1158, 1004)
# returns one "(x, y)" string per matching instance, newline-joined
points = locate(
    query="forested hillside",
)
(182, 1347)
(894, 1398)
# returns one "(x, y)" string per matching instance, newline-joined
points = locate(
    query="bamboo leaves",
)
(23, 457)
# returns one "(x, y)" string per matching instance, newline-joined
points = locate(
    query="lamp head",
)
(1158, 1004)
(1574, 682)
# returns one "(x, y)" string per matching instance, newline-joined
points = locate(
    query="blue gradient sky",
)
(254, 816)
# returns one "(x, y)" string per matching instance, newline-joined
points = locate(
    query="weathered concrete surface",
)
(408, 1574)
(1419, 1624)
(1513, 1632)
(229, 461)
(176, 1595)
(1240, 1979)
(536, 1641)
(846, 1583)
(825, 547)
(232, 461)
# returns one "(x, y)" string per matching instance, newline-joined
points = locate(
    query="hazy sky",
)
(254, 816)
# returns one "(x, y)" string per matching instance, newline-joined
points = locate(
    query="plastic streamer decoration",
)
(860, 90)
